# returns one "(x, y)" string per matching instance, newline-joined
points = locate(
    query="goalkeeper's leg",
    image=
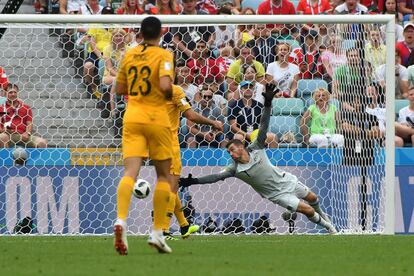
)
(313, 201)
(124, 192)
(313, 216)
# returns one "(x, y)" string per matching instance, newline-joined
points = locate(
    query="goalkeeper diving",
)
(252, 165)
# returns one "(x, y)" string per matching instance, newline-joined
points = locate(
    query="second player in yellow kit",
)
(177, 106)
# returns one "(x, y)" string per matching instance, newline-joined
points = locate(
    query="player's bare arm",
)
(199, 119)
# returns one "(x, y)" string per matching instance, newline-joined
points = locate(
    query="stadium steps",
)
(48, 83)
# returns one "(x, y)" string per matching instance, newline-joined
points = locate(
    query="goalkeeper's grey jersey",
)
(266, 179)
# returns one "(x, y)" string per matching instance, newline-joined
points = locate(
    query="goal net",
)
(328, 123)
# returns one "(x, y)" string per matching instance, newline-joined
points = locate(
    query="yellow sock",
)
(124, 193)
(170, 212)
(178, 212)
(161, 201)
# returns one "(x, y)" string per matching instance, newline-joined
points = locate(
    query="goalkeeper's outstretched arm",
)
(212, 178)
(259, 143)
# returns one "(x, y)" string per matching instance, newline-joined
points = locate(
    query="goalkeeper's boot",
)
(121, 243)
(326, 218)
(169, 237)
(187, 230)
(332, 230)
(156, 240)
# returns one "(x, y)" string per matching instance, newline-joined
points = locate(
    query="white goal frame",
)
(31, 20)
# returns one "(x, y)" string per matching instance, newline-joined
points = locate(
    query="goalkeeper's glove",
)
(269, 94)
(188, 181)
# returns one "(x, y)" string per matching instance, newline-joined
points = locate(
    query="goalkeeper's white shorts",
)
(291, 200)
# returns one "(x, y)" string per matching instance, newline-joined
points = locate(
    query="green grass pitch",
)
(210, 255)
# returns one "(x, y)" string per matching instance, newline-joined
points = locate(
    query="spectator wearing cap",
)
(244, 117)
(375, 50)
(401, 77)
(251, 83)
(277, 7)
(308, 57)
(235, 72)
(203, 135)
(282, 72)
(406, 47)
(404, 127)
(16, 125)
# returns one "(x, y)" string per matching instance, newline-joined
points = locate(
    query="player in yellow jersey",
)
(146, 74)
(179, 105)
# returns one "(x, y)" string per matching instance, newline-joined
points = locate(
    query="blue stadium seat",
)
(307, 87)
(287, 106)
(251, 4)
(400, 104)
(282, 124)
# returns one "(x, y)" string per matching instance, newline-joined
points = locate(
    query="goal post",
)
(70, 187)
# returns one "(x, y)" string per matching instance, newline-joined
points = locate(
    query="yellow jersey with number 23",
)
(141, 70)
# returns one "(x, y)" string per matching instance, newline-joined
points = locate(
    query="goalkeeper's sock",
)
(320, 221)
(170, 212)
(161, 201)
(124, 193)
(315, 205)
(178, 212)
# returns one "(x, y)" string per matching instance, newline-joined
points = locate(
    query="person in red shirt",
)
(275, 7)
(311, 7)
(4, 81)
(201, 66)
(16, 123)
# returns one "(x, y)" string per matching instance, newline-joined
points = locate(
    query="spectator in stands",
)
(282, 72)
(204, 135)
(308, 57)
(112, 56)
(185, 81)
(16, 126)
(320, 123)
(71, 6)
(404, 127)
(131, 7)
(166, 7)
(390, 8)
(227, 54)
(244, 33)
(213, 87)
(224, 35)
(185, 38)
(311, 7)
(332, 58)
(244, 116)
(4, 81)
(203, 66)
(263, 45)
(233, 5)
(406, 8)
(375, 50)
(406, 47)
(351, 7)
(348, 76)
(401, 77)
(98, 39)
(235, 72)
(276, 7)
(249, 76)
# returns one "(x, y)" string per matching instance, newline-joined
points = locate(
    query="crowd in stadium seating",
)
(223, 69)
